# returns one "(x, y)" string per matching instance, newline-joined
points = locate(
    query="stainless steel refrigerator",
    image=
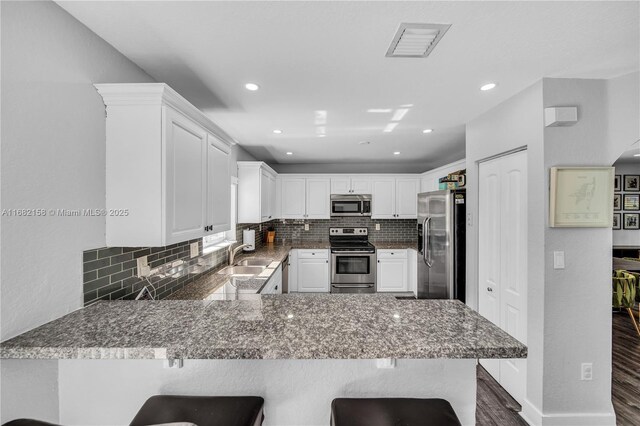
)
(441, 245)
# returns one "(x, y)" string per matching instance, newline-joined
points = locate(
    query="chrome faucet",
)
(233, 251)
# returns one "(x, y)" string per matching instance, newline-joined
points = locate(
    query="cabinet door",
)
(218, 186)
(383, 199)
(313, 275)
(293, 198)
(360, 186)
(185, 178)
(318, 199)
(265, 202)
(340, 185)
(407, 198)
(272, 197)
(392, 275)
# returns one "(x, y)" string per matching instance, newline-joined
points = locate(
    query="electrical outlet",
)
(469, 219)
(173, 363)
(558, 260)
(143, 267)
(377, 226)
(195, 250)
(586, 371)
(306, 226)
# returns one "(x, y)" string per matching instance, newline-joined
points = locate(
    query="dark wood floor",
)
(495, 407)
(625, 386)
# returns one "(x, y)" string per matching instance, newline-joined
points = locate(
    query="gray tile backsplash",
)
(391, 230)
(110, 273)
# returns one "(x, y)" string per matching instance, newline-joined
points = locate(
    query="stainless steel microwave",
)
(350, 205)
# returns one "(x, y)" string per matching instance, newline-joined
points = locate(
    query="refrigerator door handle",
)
(425, 243)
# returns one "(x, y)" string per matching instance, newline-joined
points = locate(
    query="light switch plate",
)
(377, 226)
(558, 260)
(195, 251)
(469, 219)
(306, 226)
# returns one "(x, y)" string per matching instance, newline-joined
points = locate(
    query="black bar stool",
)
(392, 412)
(28, 422)
(201, 410)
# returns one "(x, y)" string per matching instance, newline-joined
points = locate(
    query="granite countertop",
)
(396, 246)
(206, 286)
(290, 326)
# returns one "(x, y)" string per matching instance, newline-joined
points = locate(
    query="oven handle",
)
(425, 243)
(352, 285)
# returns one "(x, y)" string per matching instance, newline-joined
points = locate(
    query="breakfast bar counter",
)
(292, 326)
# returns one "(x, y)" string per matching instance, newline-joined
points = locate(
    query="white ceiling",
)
(330, 56)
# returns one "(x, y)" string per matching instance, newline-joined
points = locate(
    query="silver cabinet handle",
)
(489, 289)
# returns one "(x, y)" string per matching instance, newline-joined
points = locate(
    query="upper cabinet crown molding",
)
(131, 94)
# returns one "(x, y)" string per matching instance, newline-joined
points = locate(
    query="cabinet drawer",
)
(313, 254)
(392, 254)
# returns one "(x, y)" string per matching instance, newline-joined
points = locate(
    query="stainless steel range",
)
(353, 261)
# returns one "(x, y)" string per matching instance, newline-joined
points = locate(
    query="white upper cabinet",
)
(430, 180)
(160, 172)
(305, 198)
(293, 198)
(256, 192)
(318, 199)
(395, 198)
(219, 186)
(350, 185)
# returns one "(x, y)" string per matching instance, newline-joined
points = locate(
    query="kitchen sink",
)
(247, 271)
(254, 261)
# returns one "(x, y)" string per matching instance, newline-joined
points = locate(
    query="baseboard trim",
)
(532, 415)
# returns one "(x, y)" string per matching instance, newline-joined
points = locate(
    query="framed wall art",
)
(631, 201)
(617, 183)
(631, 221)
(632, 183)
(617, 202)
(581, 197)
(616, 221)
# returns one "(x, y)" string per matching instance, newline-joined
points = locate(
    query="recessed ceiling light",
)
(277, 131)
(251, 86)
(396, 153)
(390, 127)
(427, 131)
(488, 86)
(289, 153)
(364, 142)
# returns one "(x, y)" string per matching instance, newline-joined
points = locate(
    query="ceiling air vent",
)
(416, 40)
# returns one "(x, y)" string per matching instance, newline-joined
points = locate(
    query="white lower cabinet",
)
(309, 271)
(392, 271)
(274, 285)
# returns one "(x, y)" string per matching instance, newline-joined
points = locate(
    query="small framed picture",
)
(632, 183)
(617, 183)
(617, 202)
(630, 221)
(616, 221)
(631, 201)
(580, 197)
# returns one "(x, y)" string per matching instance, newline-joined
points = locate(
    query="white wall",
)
(296, 392)
(53, 156)
(560, 335)
(623, 101)
(29, 389)
(626, 237)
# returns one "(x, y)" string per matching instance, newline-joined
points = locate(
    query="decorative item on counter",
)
(454, 180)
(249, 237)
(270, 236)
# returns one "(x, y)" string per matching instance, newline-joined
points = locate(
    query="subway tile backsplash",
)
(110, 272)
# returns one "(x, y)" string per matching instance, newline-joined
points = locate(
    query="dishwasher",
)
(285, 275)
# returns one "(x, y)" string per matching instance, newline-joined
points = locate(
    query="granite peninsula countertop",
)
(290, 326)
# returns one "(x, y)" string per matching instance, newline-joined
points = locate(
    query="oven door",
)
(353, 268)
(346, 207)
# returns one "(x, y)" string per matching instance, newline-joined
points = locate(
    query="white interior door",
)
(502, 259)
